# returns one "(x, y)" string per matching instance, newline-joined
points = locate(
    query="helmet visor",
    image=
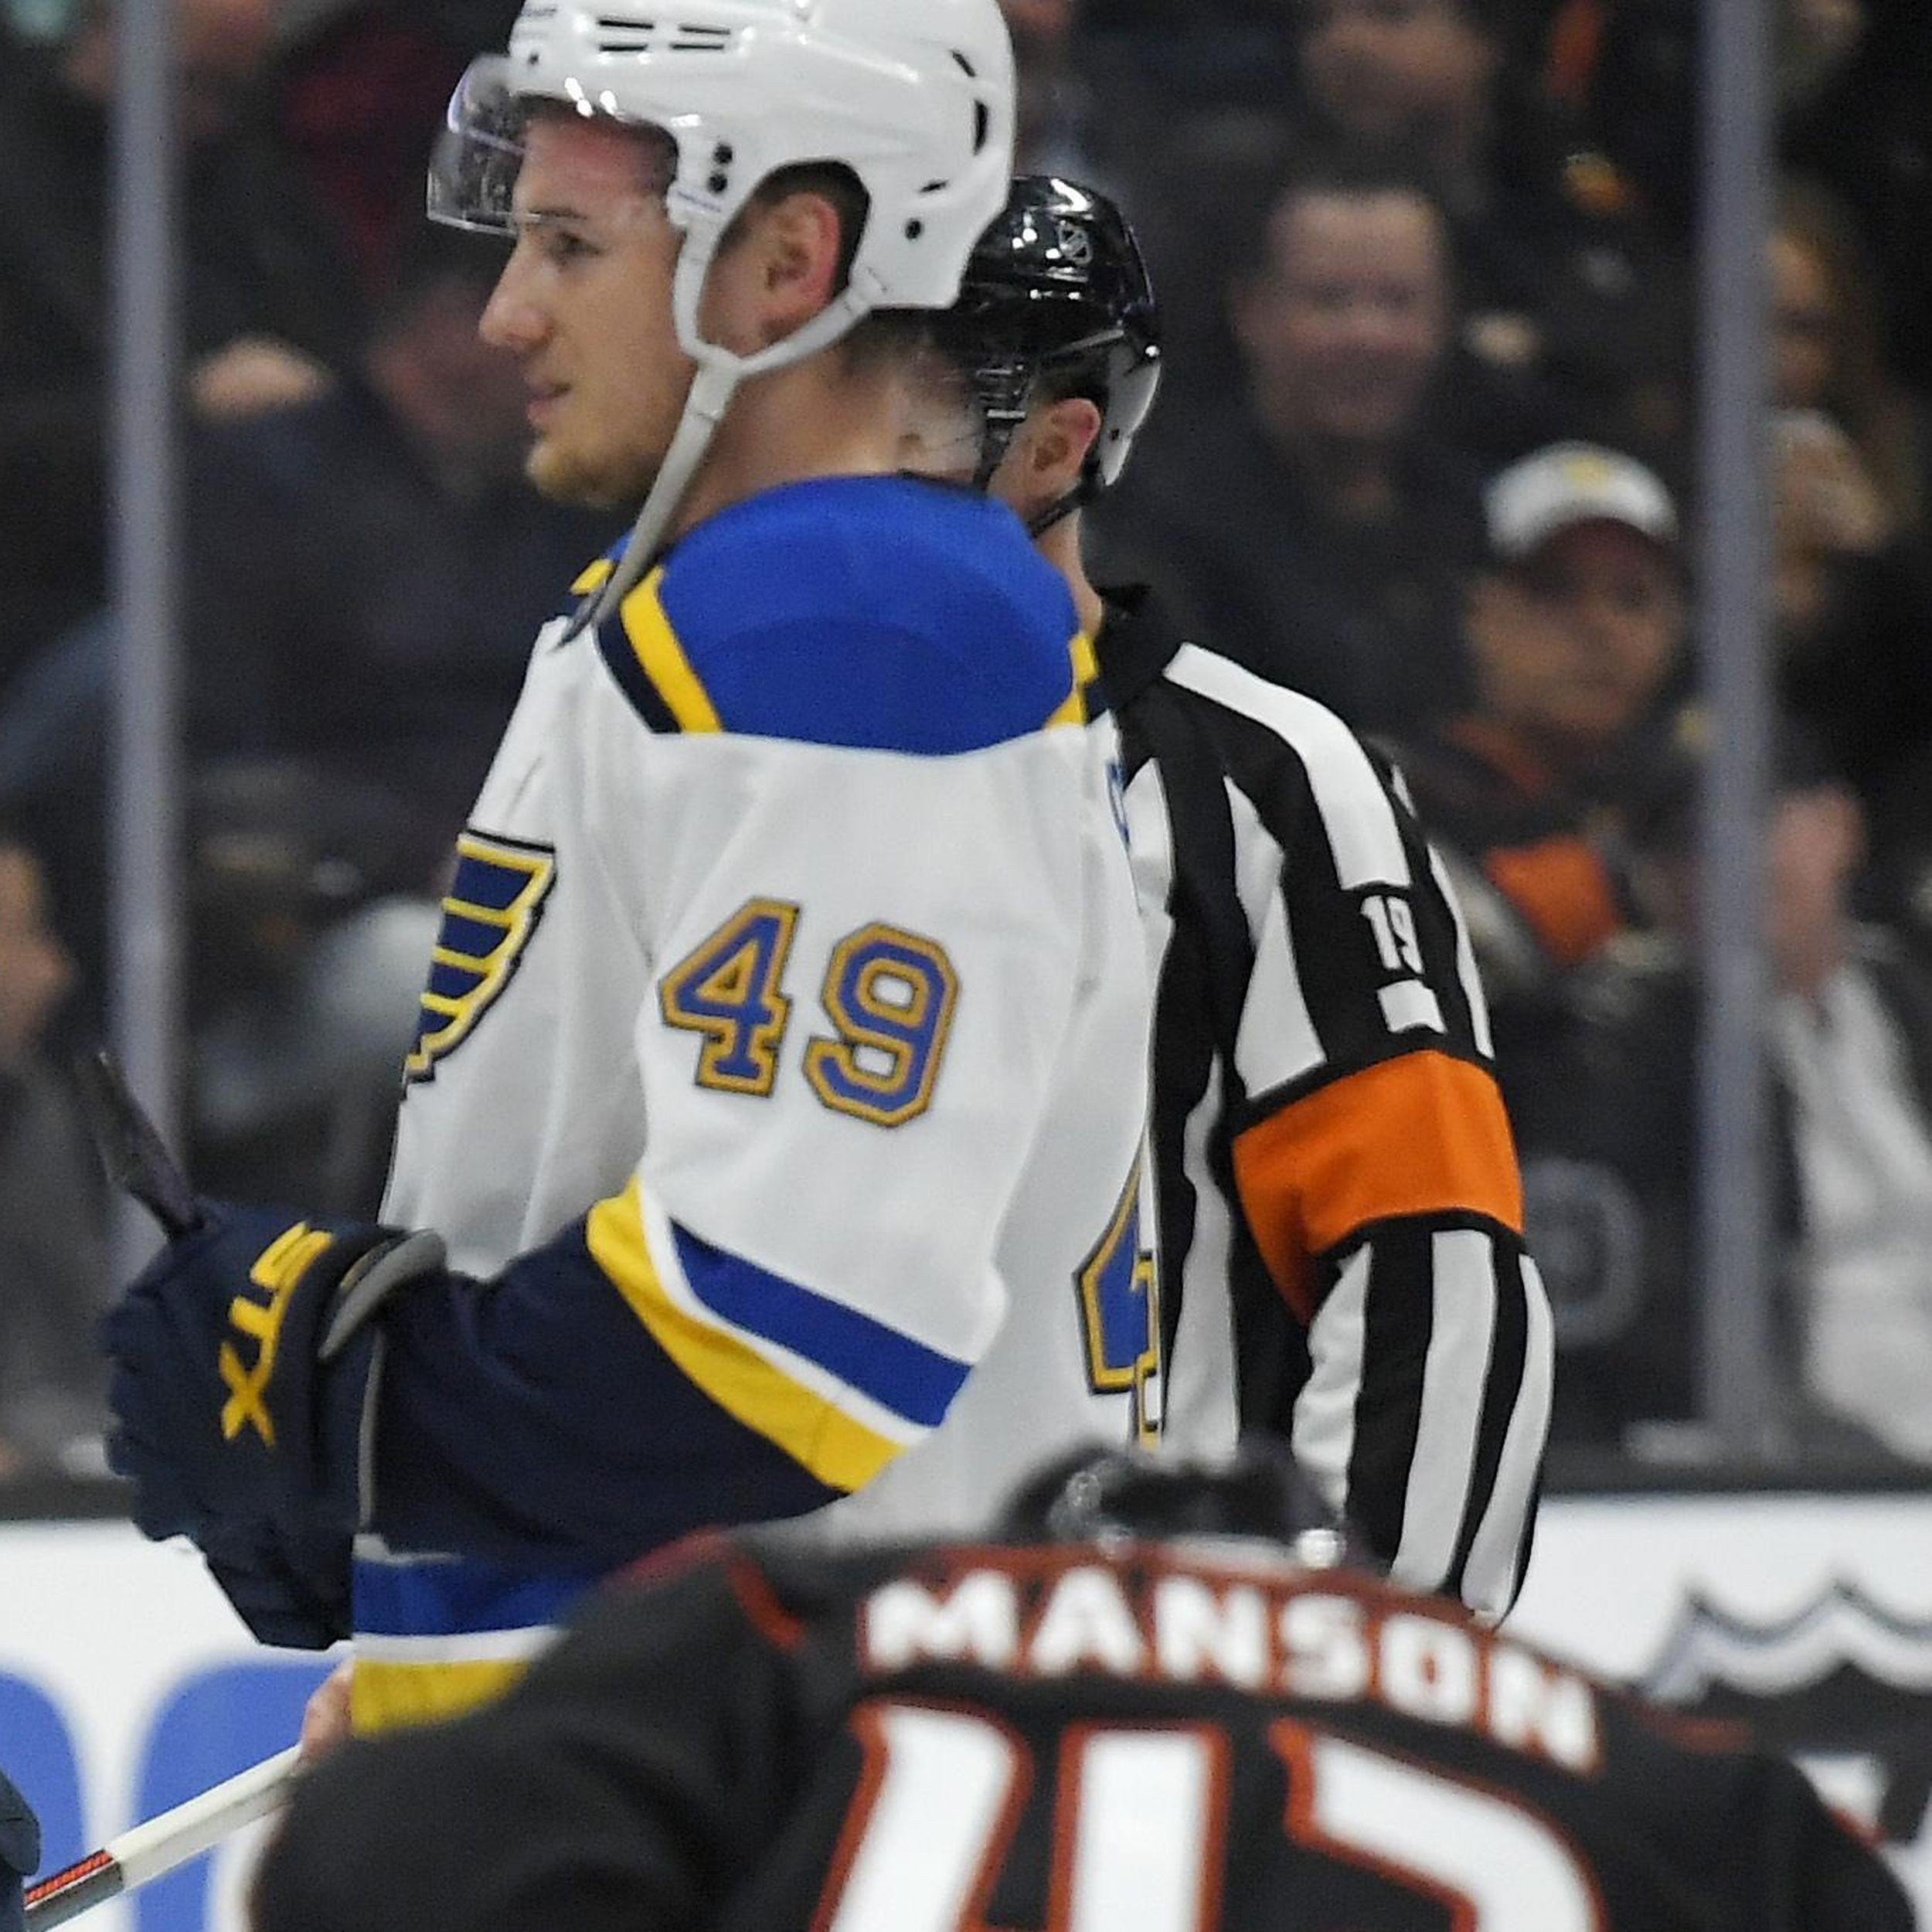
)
(480, 152)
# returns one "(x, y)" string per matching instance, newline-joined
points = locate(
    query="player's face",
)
(1576, 643)
(1346, 326)
(584, 304)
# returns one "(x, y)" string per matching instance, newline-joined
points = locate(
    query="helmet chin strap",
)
(712, 390)
(719, 375)
(1005, 385)
(1042, 521)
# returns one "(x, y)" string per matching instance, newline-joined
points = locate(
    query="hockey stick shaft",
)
(146, 1852)
(132, 1151)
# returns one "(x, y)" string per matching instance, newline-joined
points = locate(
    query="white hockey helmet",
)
(915, 96)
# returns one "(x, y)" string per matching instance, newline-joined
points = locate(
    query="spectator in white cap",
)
(1574, 630)
(1573, 484)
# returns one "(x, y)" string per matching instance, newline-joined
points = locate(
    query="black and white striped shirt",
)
(1339, 1207)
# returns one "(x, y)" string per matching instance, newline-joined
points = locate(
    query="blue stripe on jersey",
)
(455, 1595)
(897, 1372)
(871, 613)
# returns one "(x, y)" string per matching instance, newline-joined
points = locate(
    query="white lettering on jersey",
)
(978, 1622)
(1535, 1706)
(1429, 1669)
(1199, 1631)
(1087, 1624)
(1325, 1647)
(1178, 1627)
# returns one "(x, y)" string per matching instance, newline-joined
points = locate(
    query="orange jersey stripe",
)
(1423, 1134)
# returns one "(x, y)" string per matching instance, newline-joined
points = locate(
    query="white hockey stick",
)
(146, 1852)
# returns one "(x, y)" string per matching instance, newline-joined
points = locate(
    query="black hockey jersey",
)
(1074, 1738)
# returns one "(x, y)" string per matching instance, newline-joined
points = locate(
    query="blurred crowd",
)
(1424, 452)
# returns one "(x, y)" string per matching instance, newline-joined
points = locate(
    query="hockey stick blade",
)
(150, 1851)
(136, 1158)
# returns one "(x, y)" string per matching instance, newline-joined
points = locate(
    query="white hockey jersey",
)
(780, 1076)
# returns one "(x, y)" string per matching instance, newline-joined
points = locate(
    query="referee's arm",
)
(1381, 1189)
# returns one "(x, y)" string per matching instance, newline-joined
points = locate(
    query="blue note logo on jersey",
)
(492, 909)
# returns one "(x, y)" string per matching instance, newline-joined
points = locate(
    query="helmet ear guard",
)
(914, 97)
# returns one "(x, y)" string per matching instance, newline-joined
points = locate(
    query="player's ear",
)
(797, 244)
(1054, 446)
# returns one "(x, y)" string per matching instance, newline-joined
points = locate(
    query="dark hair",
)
(1106, 1495)
(885, 335)
(1347, 173)
(832, 181)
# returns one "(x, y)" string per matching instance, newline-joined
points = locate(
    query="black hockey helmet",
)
(1057, 292)
(1260, 1492)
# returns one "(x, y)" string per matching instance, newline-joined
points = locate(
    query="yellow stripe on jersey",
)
(595, 577)
(1086, 668)
(662, 657)
(818, 1436)
(385, 1696)
(1087, 665)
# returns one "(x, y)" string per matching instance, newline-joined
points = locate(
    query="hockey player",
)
(788, 1018)
(1340, 1212)
(1158, 1702)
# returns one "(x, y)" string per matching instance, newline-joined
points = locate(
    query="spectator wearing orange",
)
(1575, 629)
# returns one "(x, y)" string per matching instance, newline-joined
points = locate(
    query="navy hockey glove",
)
(291, 1590)
(242, 1361)
(19, 1853)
